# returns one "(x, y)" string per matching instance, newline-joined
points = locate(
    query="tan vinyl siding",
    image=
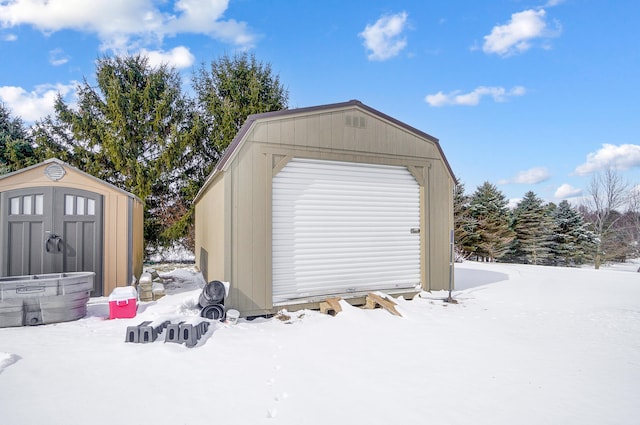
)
(441, 213)
(137, 229)
(210, 220)
(118, 212)
(329, 131)
(248, 231)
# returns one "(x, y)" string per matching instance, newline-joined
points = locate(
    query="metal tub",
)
(45, 298)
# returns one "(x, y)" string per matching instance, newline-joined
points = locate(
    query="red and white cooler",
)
(123, 303)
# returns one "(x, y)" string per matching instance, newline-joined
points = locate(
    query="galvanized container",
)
(45, 298)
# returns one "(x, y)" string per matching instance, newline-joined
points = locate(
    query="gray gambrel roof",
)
(251, 119)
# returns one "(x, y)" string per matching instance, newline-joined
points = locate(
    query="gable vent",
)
(54, 171)
(355, 121)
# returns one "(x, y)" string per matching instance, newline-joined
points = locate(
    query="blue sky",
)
(527, 95)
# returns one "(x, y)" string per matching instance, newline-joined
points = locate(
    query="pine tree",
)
(229, 91)
(572, 239)
(464, 224)
(16, 150)
(533, 231)
(491, 236)
(136, 130)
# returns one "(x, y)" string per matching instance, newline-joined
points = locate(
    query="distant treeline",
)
(603, 227)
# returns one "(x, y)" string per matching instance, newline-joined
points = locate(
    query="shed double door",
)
(52, 230)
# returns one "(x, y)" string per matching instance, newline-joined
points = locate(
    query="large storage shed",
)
(56, 218)
(333, 200)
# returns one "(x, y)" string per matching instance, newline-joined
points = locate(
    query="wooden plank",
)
(331, 306)
(375, 300)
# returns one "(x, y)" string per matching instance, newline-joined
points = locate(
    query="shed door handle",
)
(56, 240)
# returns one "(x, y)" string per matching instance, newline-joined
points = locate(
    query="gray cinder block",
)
(134, 332)
(173, 332)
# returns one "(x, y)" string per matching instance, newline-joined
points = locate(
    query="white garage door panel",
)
(342, 227)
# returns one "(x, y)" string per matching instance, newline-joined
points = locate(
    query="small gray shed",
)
(55, 218)
(332, 200)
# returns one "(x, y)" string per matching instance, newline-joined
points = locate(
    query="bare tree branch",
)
(609, 192)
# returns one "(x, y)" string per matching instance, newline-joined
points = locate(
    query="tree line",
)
(604, 227)
(137, 128)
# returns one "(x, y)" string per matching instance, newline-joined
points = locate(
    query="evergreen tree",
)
(135, 130)
(492, 236)
(572, 241)
(53, 139)
(138, 131)
(464, 224)
(16, 150)
(229, 91)
(533, 231)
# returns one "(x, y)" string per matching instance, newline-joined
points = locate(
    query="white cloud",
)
(499, 94)
(203, 17)
(121, 24)
(517, 35)
(384, 38)
(9, 37)
(36, 104)
(179, 57)
(620, 157)
(532, 176)
(567, 191)
(57, 57)
(512, 204)
(438, 99)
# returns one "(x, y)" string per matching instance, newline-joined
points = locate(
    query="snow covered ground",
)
(524, 345)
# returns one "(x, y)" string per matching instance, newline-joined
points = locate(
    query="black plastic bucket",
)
(212, 293)
(213, 312)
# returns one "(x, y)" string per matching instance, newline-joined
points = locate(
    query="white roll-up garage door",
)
(342, 227)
